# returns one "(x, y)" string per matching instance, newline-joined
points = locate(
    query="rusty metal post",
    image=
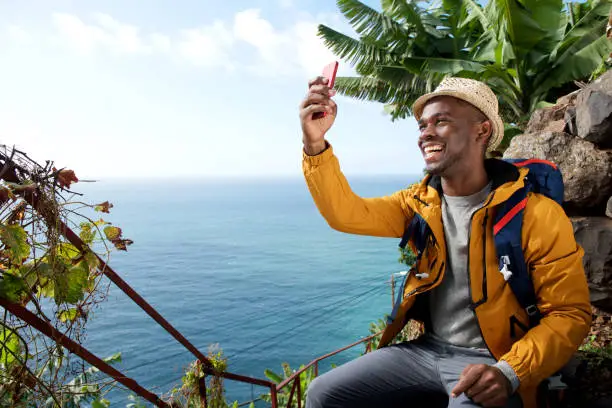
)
(290, 399)
(74, 347)
(75, 240)
(202, 391)
(316, 368)
(273, 396)
(299, 390)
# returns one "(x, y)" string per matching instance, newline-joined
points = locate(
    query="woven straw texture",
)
(474, 92)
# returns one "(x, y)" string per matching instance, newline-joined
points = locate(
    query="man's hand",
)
(317, 100)
(484, 384)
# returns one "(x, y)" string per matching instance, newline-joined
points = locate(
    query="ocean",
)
(249, 265)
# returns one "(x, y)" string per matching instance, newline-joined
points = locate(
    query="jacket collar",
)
(506, 179)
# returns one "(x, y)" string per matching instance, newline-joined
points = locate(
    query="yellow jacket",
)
(550, 250)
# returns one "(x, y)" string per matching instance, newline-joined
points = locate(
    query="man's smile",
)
(432, 151)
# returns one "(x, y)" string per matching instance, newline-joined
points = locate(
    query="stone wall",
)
(576, 134)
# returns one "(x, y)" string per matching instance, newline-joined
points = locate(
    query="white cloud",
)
(296, 50)
(105, 32)
(123, 37)
(312, 54)
(160, 42)
(288, 51)
(207, 46)
(17, 34)
(285, 3)
(258, 32)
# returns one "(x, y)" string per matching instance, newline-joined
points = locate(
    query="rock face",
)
(551, 119)
(587, 171)
(594, 111)
(594, 116)
(609, 208)
(594, 234)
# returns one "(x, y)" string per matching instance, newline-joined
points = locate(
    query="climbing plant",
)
(56, 281)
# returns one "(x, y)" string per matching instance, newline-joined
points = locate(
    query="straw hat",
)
(474, 92)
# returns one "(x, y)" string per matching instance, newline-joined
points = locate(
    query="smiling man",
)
(472, 354)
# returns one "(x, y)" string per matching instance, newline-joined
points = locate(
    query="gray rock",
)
(568, 99)
(594, 234)
(594, 116)
(587, 171)
(542, 118)
(604, 82)
(570, 121)
(609, 208)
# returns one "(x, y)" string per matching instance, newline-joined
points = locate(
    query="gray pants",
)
(408, 375)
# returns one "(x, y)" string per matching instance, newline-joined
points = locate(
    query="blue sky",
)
(150, 88)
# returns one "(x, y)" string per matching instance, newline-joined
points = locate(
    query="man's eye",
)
(441, 121)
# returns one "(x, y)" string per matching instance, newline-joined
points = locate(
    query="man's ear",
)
(485, 130)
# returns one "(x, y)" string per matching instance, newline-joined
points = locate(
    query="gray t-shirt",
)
(452, 319)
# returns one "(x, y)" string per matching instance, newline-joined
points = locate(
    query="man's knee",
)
(318, 393)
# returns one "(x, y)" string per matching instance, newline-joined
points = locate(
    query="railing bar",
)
(291, 394)
(202, 391)
(288, 380)
(299, 391)
(241, 378)
(75, 240)
(132, 294)
(55, 335)
(273, 396)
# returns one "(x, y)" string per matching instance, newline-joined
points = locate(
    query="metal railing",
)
(9, 174)
(295, 377)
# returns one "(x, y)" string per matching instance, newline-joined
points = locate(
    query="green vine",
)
(60, 283)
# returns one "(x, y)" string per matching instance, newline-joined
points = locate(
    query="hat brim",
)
(497, 122)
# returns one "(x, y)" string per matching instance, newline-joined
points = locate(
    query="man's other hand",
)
(483, 384)
(318, 100)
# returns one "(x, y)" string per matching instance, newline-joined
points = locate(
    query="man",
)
(477, 350)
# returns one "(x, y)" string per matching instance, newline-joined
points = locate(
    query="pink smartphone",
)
(329, 72)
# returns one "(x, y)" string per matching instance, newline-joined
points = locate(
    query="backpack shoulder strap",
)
(507, 230)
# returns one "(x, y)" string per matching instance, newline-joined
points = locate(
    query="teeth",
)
(430, 149)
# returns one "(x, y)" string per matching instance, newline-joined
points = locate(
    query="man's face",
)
(452, 135)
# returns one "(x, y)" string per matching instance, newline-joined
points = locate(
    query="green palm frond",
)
(591, 21)
(405, 12)
(370, 24)
(472, 11)
(526, 23)
(579, 65)
(400, 78)
(574, 44)
(359, 53)
(448, 66)
(367, 88)
(527, 51)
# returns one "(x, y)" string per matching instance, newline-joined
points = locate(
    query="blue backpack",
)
(545, 178)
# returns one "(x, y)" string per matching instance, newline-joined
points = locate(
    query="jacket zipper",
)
(484, 262)
(472, 305)
(432, 236)
(415, 290)
(416, 197)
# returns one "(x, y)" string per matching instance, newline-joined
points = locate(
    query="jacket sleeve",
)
(555, 261)
(343, 209)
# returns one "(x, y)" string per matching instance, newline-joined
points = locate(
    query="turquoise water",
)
(248, 264)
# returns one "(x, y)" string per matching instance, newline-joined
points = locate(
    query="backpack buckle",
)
(504, 261)
(532, 310)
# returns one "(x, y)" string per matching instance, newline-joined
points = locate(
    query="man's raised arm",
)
(340, 206)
